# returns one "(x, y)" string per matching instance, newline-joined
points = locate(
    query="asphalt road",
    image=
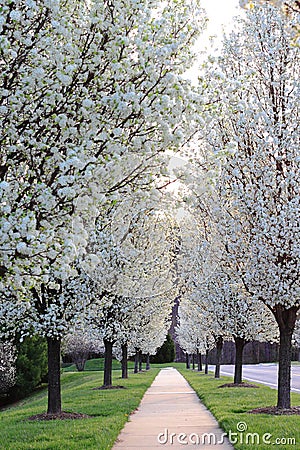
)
(263, 373)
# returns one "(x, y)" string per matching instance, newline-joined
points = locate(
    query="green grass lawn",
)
(109, 408)
(231, 405)
(98, 364)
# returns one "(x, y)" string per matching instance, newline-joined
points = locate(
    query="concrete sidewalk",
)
(171, 407)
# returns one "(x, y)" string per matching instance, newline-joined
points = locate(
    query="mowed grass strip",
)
(230, 407)
(110, 410)
(98, 364)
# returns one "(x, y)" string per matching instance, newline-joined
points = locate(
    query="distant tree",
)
(31, 366)
(7, 367)
(79, 345)
(166, 353)
(296, 338)
(193, 331)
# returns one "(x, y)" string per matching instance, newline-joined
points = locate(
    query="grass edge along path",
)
(230, 407)
(109, 410)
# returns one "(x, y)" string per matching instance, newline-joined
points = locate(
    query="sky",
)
(220, 12)
(220, 15)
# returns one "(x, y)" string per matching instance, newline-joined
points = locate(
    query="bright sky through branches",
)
(220, 13)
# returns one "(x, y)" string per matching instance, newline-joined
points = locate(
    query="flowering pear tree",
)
(154, 325)
(284, 4)
(147, 327)
(7, 366)
(134, 267)
(213, 285)
(215, 317)
(193, 332)
(288, 7)
(254, 129)
(89, 91)
(296, 337)
(242, 318)
(79, 345)
(196, 267)
(106, 318)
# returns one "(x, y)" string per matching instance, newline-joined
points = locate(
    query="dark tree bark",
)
(148, 362)
(140, 361)
(254, 351)
(286, 319)
(193, 360)
(206, 362)
(80, 365)
(54, 391)
(199, 361)
(124, 361)
(187, 360)
(107, 379)
(79, 359)
(136, 361)
(219, 345)
(238, 367)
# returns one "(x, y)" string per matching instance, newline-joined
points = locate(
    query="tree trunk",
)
(124, 361)
(107, 379)
(286, 319)
(238, 367)
(193, 361)
(187, 360)
(136, 361)
(218, 356)
(80, 365)
(206, 362)
(140, 361)
(54, 392)
(199, 361)
(79, 359)
(148, 362)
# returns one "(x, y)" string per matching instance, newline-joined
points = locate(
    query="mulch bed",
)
(61, 416)
(294, 410)
(243, 385)
(102, 388)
